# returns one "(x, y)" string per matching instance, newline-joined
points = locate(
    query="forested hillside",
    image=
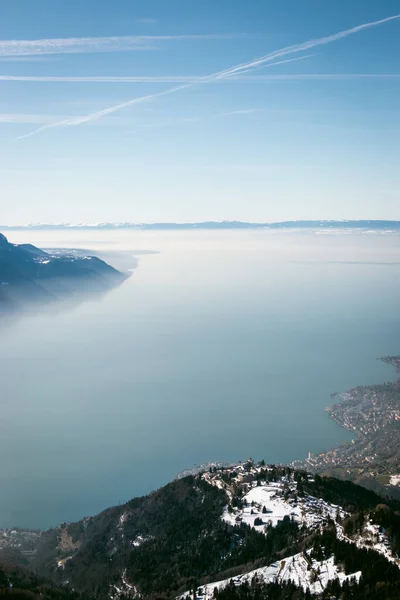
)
(20, 583)
(224, 524)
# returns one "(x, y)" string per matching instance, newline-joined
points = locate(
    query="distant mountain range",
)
(29, 275)
(323, 224)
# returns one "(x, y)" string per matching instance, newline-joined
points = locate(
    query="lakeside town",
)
(373, 456)
(19, 540)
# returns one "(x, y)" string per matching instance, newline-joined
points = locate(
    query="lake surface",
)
(221, 346)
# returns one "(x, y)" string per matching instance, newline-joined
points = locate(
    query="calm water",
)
(220, 347)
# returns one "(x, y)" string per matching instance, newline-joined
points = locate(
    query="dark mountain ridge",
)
(29, 275)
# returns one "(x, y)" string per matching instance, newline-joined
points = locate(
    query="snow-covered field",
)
(395, 480)
(300, 569)
(267, 502)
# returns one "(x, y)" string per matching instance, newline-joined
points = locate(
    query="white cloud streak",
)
(194, 79)
(224, 74)
(104, 112)
(105, 79)
(84, 45)
(116, 107)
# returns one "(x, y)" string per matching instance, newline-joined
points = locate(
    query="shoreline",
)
(372, 457)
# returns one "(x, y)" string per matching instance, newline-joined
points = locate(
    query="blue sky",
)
(159, 111)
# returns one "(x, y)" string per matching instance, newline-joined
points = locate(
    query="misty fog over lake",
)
(221, 346)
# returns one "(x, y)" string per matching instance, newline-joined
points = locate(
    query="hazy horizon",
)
(310, 223)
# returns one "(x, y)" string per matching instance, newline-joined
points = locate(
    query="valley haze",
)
(222, 344)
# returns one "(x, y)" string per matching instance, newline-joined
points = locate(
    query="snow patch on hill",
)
(370, 538)
(265, 503)
(303, 571)
(123, 590)
(395, 480)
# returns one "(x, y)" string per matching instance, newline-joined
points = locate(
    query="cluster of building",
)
(23, 540)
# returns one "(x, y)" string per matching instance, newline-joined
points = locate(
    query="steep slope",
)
(233, 523)
(30, 275)
(158, 541)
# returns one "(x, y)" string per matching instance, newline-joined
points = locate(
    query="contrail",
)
(104, 79)
(194, 79)
(224, 74)
(128, 79)
(97, 44)
(117, 107)
(300, 48)
(104, 112)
